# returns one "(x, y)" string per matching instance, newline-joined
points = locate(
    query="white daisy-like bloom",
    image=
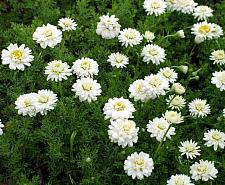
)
(214, 138)
(46, 101)
(190, 149)
(123, 132)
(26, 104)
(218, 31)
(171, 5)
(185, 6)
(130, 37)
(1, 127)
(47, 35)
(157, 86)
(218, 57)
(224, 112)
(173, 117)
(149, 36)
(199, 108)
(118, 108)
(108, 27)
(169, 74)
(179, 179)
(138, 165)
(158, 127)
(17, 57)
(87, 89)
(178, 88)
(118, 60)
(153, 53)
(176, 102)
(85, 67)
(202, 12)
(57, 70)
(203, 31)
(67, 24)
(180, 34)
(138, 90)
(203, 170)
(156, 7)
(219, 79)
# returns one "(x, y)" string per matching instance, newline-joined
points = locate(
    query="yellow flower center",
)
(119, 59)
(67, 23)
(155, 82)
(85, 65)
(199, 107)
(176, 101)
(161, 126)
(139, 88)
(119, 106)
(202, 169)
(43, 99)
(17, 54)
(156, 5)
(190, 148)
(216, 136)
(220, 55)
(130, 35)
(167, 74)
(47, 33)
(204, 29)
(27, 103)
(127, 128)
(87, 86)
(221, 78)
(139, 163)
(153, 52)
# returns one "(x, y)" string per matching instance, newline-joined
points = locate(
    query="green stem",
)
(60, 89)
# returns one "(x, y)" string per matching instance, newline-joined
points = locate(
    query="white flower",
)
(85, 67)
(87, 89)
(67, 24)
(153, 53)
(176, 102)
(203, 31)
(180, 34)
(108, 27)
(138, 90)
(26, 104)
(47, 35)
(185, 6)
(17, 57)
(130, 37)
(224, 112)
(199, 108)
(204, 170)
(156, 7)
(190, 149)
(118, 108)
(202, 12)
(158, 127)
(214, 138)
(46, 100)
(219, 80)
(168, 73)
(118, 60)
(218, 31)
(178, 88)
(57, 70)
(218, 57)
(173, 117)
(179, 179)
(149, 36)
(123, 132)
(1, 127)
(157, 85)
(171, 5)
(138, 165)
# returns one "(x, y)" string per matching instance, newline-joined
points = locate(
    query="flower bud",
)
(183, 69)
(178, 88)
(180, 34)
(149, 36)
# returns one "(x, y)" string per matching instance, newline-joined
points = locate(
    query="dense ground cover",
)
(42, 148)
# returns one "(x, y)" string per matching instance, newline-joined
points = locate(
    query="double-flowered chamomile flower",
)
(118, 108)
(67, 24)
(184, 6)
(169, 74)
(203, 170)
(87, 89)
(47, 35)
(108, 27)
(124, 132)
(118, 60)
(173, 117)
(190, 149)
(33, 103)
(219, 80)
(138, 165)
(158, 128)
(218, 57)
(179, 179)
(214, 138)
(199, 108)
(130, 37)
(202, 12)
(17, 57)
(85, 67)
(153, 53)
(57, 70)
(156, 7)
(1, 127)
(176, 102)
